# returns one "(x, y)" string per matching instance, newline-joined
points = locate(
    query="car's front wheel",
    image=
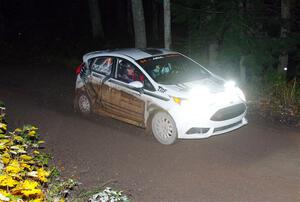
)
(164, 128)
(84, 104)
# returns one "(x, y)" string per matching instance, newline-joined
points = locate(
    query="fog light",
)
(197, 130)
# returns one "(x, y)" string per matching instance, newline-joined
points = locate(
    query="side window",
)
(102, 65)
(127, 72)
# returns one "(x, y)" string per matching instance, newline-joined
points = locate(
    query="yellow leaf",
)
(33, 128)
(36, 152)
(21, 151)
(3, 126)
(15, 176)
(25, 185)
(32, 162)
(18, 130)
(29, 184)
(18, 138)
(43, 174)
(30, 192)
(26, 157)
(6, 158)
(41, 142)
(13, 167)
(7, 181)
(28, 188)
(32, 133)
(24, 165)
(4, 141)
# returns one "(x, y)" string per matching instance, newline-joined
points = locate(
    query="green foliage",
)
(280, 92)
(43, 159)
(276, 99)
(241, 28)
(59, 187)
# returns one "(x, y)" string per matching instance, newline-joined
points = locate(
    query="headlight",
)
(230, 86)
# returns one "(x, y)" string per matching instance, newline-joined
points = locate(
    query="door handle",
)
(136, 93)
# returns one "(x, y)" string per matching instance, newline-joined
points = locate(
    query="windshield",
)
(173, 69)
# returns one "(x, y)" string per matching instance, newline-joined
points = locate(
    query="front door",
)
(119, 99)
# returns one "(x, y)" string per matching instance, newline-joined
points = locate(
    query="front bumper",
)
(190, 126)
(215, 130)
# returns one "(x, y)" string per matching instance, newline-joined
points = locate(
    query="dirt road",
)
(259, 162)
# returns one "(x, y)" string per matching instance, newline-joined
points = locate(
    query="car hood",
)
(212, 84)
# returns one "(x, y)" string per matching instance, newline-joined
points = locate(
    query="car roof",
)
(134, 53)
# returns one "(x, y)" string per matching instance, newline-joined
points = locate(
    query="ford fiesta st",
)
(162, 90)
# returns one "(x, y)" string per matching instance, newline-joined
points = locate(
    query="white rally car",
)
(158, 89)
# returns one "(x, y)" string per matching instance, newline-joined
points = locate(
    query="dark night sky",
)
(34, 18)
(68, 19)
(44, 23)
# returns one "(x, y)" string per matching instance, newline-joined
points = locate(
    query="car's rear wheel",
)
(84, 104)
(164, 128)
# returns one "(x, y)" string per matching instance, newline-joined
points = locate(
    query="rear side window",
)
(102, 65)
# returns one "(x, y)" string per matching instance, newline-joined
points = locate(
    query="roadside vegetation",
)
(28, 174)
(275, 99)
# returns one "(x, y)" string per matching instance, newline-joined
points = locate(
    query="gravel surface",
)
(259, 162)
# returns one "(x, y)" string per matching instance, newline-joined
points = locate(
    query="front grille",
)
(229, 112)
(228, 126)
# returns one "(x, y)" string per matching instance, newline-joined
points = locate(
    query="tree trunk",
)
(155, 27)
(167, 24)
(285, 28)
(139, 23)
(190, 30)
(213, 54)
(213, 47)
(243, 4)
(129, 19)
(95, 17)
(242, 70)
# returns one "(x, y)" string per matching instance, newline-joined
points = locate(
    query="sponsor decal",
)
(161, 89)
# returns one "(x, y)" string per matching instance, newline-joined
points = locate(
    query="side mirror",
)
(136, 84)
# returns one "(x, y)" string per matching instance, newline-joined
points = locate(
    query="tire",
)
(164, 128)
(83, 104)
